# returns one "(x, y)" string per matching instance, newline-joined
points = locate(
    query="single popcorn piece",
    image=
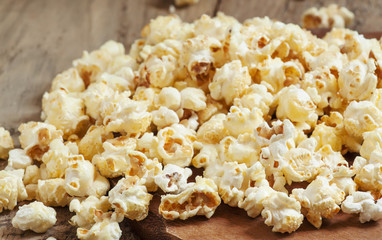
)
(169, 97)
(35, 138)
(364, 204)
(213, 131)
(193, 99)
(173, 179)
(320, 199)
(360, 117)
(106, 229)
(372, 142)
(242, 120)
(158, 71)
(175, 145)
(34, 216)
(82, 178)
(93, 97)
(282, 212)
(6, 143)
(254, 198)
(229, 81)
(130, 198)
(65, 111)
(200, 198)
(12, 189)
(18, 159)
(255, 96)
(357, 80)
(52, 192)
(32, 175)
(69, 81)
(164, 117)
(89, 211)
(332, 16)
(296, 105)
(91, 143)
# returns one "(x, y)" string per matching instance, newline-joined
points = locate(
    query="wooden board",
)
(40, 38)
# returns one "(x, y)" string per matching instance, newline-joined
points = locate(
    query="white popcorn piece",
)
(158, 71)
(369, 178)
(12, 189)
(121, 114)
(35, 138)
(69, 81)
(242, 120)
(6, 143)
(254, 198)
(229, 81)
(193, 99)
(216, 27)
(207, 154)
(357, 80)
(52, 192)
(148, 144)
(130, 198)
(282, 212)
(18, 159)
(360, 117)
(364, 204)
(173, 179)
(169, 97)
(372, 142)
(34, 216)
(256, 96)
(93, 97)
(213, 108)
(332, 16)
(32, 175)
(89, 211)
(104, 230)
(56, 159)
(92, 64)
(65, 111)
(175, 145)
(212, 131)
(200, 198)
(296, 105)
(164, 117)
(320, 199)
(82, 178)
(330, 131)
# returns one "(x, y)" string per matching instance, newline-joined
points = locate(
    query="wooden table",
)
(40, 38)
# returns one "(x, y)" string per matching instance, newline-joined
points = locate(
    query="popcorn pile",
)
(259, 106)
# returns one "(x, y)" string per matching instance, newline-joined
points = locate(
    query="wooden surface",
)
(40, 38)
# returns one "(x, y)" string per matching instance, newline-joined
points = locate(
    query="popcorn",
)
(173, 179)
(82, 178)
(34, 216)
(200, 198)
(193, 98)
(51, 192)
(242, 120)
(91, 143)
(12, 189)
(69, 81)
(360, 117)
(372, 142)
(158, 72)
(175, 145)
(164, 117)
(106, 229)
(35, 138)
(18, 159)
(169, 97)
(332, 16)
(296, 105)
(32, 175)
(94, 96)
(357, 80)
(89, 211)
(363, 203)
(6, 143)
(56, 159)
(319, 199)
(130, 198)
(212, 131)
(229, 82)
(256, 96)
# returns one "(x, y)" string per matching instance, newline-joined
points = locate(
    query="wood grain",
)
(40, 38)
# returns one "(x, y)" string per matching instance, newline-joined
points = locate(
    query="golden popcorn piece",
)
(6, 143)
(200, 198)
(12, 189)
(332, 16)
